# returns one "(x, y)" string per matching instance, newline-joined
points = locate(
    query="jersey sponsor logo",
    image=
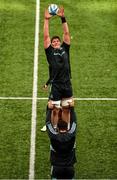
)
(59, 54)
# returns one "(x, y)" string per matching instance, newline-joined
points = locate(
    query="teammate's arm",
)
(47, 40)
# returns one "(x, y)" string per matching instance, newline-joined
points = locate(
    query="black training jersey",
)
(62, 144)
(59, 62)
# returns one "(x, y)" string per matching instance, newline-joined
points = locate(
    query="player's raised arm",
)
(66, 34)
(47, 40)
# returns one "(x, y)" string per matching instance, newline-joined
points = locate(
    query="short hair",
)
(55, 37)
(62, 125)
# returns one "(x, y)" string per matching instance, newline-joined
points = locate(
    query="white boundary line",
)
(16, 98)
(46, 98)
(34, 99)
(95, 99)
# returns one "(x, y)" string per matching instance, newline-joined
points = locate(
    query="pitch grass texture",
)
(93, 60)
(14, 139)
(93, 46)
(17, 21)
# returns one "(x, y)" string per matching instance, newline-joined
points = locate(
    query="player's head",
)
(62, 126)
(56, 42)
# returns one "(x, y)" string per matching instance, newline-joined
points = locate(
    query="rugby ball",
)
(53, 9)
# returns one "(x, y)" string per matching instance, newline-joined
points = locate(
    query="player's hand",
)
(47, 14)
(45, 87)
(61, 12)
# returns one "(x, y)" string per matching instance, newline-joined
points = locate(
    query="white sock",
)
(55, 126)
(68, 126)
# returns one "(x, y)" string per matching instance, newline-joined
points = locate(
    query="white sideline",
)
(34, 98)
(46, 98)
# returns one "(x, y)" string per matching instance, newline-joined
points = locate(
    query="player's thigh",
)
(67, 102)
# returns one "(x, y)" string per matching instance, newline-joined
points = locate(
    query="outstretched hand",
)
(47, 14)
(61, 12)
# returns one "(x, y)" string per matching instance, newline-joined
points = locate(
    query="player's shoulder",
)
(65, 45)
(49, 49)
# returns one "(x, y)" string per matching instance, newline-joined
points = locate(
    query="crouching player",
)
(62, 146)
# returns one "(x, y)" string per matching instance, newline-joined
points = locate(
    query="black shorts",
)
(61, 90)
(62, 172)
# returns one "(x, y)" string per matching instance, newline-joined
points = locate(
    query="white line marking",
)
(15, 98)
(46, 98)
(34, 99)
(95, 99)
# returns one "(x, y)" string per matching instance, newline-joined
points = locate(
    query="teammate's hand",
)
(47, 14)
(61, 12)
(45, 87)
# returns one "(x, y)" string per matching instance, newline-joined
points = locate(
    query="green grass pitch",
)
(93, 29)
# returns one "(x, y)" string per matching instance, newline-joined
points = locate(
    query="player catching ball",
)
(57, 53)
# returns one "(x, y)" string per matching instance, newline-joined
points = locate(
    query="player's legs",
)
(54, 103)
(66, 104)
(56, 107)
(67, 101)
(43, 129)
